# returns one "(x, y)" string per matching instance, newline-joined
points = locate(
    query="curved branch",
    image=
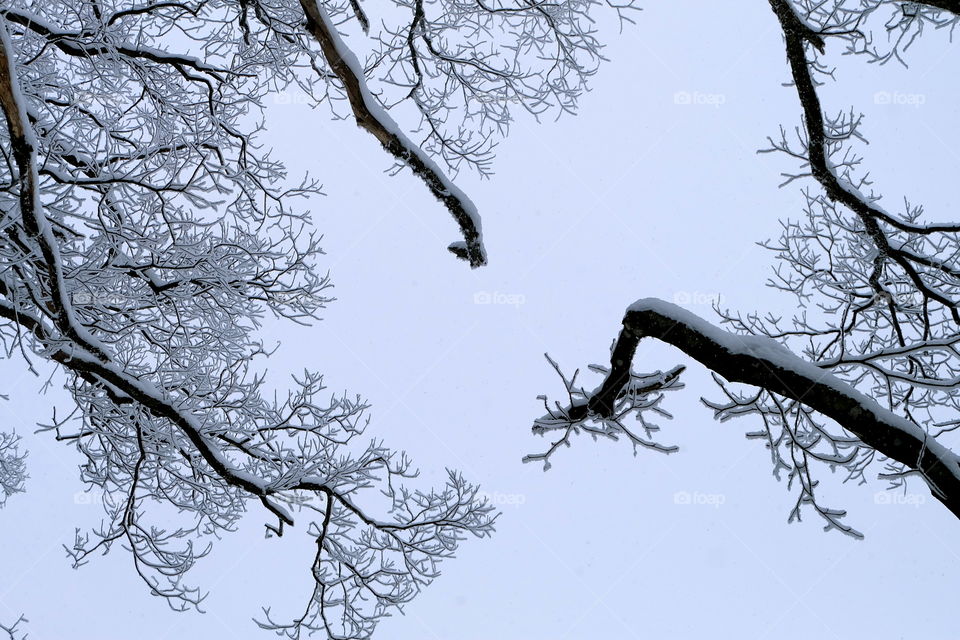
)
(370, 116)
(764, 363)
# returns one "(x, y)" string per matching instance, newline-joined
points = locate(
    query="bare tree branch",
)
(141, 239)
(13, 471)
(370, 116)
(876, 293)
(765, 363)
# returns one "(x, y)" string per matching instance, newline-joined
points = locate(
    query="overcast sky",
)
(639, 195)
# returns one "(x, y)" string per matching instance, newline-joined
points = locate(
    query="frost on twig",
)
(463, 68)
(867, 371)
(13, 468)
(364, 569)
(603, 414)
(798, 441)
(792, 391)
(144, 235)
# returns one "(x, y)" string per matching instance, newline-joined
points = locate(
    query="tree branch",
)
(797, 34)
(953, 6)
(171, 409)
(764, 363)
(372, 117)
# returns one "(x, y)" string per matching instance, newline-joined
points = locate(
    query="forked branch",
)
(764, 363)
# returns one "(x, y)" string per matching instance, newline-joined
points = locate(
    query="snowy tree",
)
(13, 468)
(146, 234)
(13, 475)
(867, 372)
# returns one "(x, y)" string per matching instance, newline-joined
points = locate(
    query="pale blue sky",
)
(637, 196)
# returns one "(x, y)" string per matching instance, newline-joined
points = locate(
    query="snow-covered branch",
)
(601, 412)
(463, 67)
(143, 236)
(764, 363)
(371, 116)
(13, 469)
(145, 232)
(877, 294)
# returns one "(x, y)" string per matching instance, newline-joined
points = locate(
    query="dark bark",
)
(471, 249)
(787, 375)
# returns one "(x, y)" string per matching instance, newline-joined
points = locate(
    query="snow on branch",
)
(877, 297)
(374, 118)
(141, 264)
(13, 469)
(601, 412)
(824, 138)
(764, 363)
(465, 68)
